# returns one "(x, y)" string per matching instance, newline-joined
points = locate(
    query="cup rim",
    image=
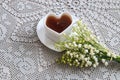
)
(58, 16)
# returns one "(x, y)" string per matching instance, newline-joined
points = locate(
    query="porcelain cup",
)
(53, 35)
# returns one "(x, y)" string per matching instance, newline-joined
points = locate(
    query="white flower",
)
(68, 52)
(101, 53)
(95, 58)
(76, 60)
(91, 50)
(92, 53)
(83, 31)
(76, 38)
(78, 63)
(85, 28)
(66, 45)
(90, 46)
(69, 44)
(76, 56)
(89, 63)
(85, 45)
(87, 39)
(113, 55)
(73, 34)
(108, 54)
(71, 54)
(85, 59)
(88, 58)
(86, 65)
(92, 36)
(103, 60)
(79, 45)
(97, 63)
(86, 50)
(94, 65)
(74, 43)
(97, 51)
(106, 63)
(82, 56)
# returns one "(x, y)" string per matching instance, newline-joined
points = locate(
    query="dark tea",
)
(58, 24)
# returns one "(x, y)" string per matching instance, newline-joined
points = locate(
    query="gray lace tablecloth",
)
(24, 57)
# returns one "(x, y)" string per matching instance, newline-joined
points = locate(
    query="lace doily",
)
(24, 57)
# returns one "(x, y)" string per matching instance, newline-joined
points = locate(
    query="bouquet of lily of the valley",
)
(82, 49)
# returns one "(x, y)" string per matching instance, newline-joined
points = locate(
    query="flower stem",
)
(117, 59)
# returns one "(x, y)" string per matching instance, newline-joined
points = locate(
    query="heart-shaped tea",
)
(58, 24)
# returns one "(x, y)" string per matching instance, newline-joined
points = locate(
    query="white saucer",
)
(41, 35)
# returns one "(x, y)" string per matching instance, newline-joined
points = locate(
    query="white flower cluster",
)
(83, 49)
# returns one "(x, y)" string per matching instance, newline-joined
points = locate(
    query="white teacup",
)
(54, 35)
